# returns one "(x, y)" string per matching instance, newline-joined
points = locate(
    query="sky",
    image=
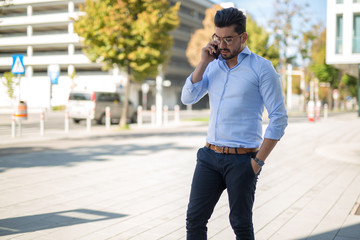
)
(262, 10)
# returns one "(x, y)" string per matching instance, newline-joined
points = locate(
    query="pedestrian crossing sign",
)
(18, 65)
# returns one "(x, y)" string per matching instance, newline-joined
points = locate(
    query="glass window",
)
(356, 1)
(339, 1)
(356, 34)
(339, 33)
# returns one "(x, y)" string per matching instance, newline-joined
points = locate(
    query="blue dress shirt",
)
(237, 99)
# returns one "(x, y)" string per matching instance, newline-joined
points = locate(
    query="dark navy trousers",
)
(214, 173)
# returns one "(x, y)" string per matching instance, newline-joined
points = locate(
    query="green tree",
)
(351, 84)
(132, 34)
(287, 12)
(323, 71)
(9, 83)
(258, 39)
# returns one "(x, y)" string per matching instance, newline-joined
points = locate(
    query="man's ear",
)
(244, 38)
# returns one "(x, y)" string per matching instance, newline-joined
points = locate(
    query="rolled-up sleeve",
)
(271, 92)
(193, 92)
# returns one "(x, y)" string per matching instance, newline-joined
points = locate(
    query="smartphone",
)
(217, 53)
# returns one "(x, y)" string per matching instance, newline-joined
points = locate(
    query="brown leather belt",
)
(229, 150)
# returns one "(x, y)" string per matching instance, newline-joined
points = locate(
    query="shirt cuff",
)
(190, 86)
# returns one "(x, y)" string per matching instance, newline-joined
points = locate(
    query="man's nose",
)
(222, 44)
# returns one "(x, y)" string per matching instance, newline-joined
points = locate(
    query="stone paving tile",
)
(119, 188)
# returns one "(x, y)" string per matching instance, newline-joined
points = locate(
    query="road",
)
(55, 121)
(135, 185)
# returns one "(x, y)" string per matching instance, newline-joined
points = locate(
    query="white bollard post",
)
(88, 121)
(13, 126)
(325, 111)
(318, 110)
(311, 111)
(177, 113)
(166, 115)
(67, 122)
(42, 123)
(19, 127)
(153, 116)
(107, 117)
(139, 116)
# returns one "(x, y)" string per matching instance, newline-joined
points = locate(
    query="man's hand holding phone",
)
(208, 54)
(217, 53)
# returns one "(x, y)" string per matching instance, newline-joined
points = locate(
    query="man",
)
(239, 83)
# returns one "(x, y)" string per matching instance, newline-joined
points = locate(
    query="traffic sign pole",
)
(18, 68)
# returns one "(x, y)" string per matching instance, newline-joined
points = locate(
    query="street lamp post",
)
(159, 97)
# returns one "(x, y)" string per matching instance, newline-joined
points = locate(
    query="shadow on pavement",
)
(350, 232)
(47, 157)
(44, 221)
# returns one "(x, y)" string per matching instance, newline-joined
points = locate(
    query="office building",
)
(343, 35)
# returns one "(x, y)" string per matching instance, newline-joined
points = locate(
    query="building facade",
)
(43, 31)
(343, 36)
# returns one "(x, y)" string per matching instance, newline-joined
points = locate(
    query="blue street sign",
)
(18, 65)
(54, 73)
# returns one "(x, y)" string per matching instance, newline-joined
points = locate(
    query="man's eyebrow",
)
(225, 36)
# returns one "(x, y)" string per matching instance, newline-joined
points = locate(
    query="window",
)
(339, 33)
(339, 1)
(356, 1)
(356, 34)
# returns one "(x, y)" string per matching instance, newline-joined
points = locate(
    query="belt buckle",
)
(219, 151)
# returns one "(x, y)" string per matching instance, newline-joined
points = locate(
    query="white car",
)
(93, 104)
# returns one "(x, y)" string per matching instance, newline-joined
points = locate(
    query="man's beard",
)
(232, 54)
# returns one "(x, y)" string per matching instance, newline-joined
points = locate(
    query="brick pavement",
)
(135, 185)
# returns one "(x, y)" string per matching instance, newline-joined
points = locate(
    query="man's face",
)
(229, 42)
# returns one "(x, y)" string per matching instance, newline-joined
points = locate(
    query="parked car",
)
(81, 104)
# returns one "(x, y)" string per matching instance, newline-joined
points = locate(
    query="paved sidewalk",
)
(135, 185)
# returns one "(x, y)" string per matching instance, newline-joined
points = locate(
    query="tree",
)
(202, 36)
(287, 12)
(350, 84)
(130, 34)
(323, 71)
(258, 39)
(9, 83)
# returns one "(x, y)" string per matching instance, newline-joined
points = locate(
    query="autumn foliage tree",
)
(202, 36)
(258, 39)
(131, 34)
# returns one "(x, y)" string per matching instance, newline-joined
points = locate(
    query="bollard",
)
(166, 115)
(13, 126)
(67, 121)
(139, 116)
(153, 111)
(318, 110)
(325, 111)
(88, 121)
(311, 111)
(177, 113)
(42, 123)
(107, 117)
(19, 121)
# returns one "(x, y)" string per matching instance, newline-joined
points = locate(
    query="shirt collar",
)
(245, 51)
